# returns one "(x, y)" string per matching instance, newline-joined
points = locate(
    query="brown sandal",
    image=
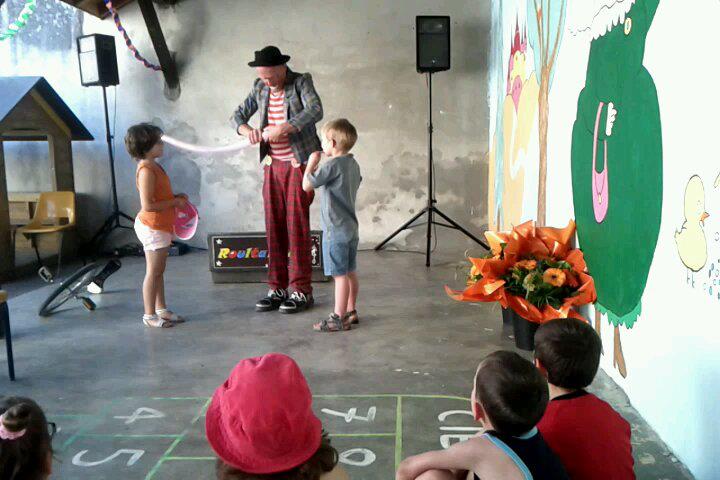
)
(353, 317)
(332, 324)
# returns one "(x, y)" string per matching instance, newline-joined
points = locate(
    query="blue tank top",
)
(531, 455)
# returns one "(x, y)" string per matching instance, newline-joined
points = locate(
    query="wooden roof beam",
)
(167, 62)
(96, 7)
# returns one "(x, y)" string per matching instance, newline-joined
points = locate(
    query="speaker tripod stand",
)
(113, 220)
(431, 210)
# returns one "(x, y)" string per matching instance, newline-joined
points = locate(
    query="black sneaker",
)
(297, 303)
(272, 301)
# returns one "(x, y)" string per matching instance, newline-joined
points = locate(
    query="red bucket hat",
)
(261, 420)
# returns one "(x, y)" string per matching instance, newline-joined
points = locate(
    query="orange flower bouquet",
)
(533, 271)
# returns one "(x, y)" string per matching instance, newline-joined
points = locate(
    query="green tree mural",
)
(617, 169)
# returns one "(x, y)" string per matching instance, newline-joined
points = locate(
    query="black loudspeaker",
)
(98, 60)
(432, 43)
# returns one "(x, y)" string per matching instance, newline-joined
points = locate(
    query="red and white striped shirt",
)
(279, 150)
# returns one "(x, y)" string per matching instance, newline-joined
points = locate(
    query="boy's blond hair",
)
(342, 131)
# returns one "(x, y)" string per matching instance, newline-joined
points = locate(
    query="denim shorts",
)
(339, 256)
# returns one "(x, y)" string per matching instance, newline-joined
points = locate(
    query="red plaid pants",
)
(287, 223)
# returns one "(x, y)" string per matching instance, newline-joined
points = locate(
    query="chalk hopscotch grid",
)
(89, 422)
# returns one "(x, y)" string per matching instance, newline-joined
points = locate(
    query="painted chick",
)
(690, 240)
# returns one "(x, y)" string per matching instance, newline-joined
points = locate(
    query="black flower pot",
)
(524, 332)
(507, 316)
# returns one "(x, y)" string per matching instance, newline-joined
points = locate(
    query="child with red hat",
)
(261, 425)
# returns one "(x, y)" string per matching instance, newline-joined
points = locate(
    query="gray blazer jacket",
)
(303, 108)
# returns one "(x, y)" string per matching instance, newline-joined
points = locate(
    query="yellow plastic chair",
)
(55, 213)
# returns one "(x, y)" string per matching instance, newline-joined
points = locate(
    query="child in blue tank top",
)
(508, 399)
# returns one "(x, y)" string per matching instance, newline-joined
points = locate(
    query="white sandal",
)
(156, 322)
(170, 316)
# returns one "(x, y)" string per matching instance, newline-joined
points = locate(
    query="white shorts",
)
(152, 239)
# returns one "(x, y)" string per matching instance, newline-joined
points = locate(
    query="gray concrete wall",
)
(362, 57)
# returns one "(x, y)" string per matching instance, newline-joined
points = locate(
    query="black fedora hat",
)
(269, 56)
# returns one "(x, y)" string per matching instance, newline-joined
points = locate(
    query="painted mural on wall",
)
(617, 162)
(518, 154)
(690, 238)
(511, 144)
(698, 246)
(545, 35)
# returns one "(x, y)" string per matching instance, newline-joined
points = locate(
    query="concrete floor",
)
(412, 358)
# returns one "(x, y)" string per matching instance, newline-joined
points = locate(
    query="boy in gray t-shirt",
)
(340, 178)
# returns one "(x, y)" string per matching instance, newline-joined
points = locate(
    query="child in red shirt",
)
(591, 439)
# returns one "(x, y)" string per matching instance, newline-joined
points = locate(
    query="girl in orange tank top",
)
(162, 192)
(154, 223)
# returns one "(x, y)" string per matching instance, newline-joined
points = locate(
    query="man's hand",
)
(255, 136)
(275, 133)
(252, 134)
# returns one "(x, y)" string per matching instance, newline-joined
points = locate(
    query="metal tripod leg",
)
(126, 217)
(457, 226)
(106, 227)
(112, 222)
(403, 227)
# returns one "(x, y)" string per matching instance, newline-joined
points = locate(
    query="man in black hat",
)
(289, 108)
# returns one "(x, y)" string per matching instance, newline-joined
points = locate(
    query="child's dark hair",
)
(25, 457)
(511, 391)
(569, 350)
(322, 462)
(141, 138)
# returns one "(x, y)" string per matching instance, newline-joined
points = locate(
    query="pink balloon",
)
(186, 221)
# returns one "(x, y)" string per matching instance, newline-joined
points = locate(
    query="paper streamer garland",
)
(21, 21)
(128, 42)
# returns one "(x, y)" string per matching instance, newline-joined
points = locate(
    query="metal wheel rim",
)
(70, 291)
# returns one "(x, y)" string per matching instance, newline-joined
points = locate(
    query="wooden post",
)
(61, 165)
(7, 252)
(60, 156)
(166, 60)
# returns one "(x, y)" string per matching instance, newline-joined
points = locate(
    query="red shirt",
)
(281, 149)
(591, 439)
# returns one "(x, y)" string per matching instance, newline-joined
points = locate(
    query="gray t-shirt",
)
(340, 177)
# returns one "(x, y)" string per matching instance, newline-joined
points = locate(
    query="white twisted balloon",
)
(204, 149)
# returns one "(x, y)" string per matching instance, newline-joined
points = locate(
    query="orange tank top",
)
(164, 219)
